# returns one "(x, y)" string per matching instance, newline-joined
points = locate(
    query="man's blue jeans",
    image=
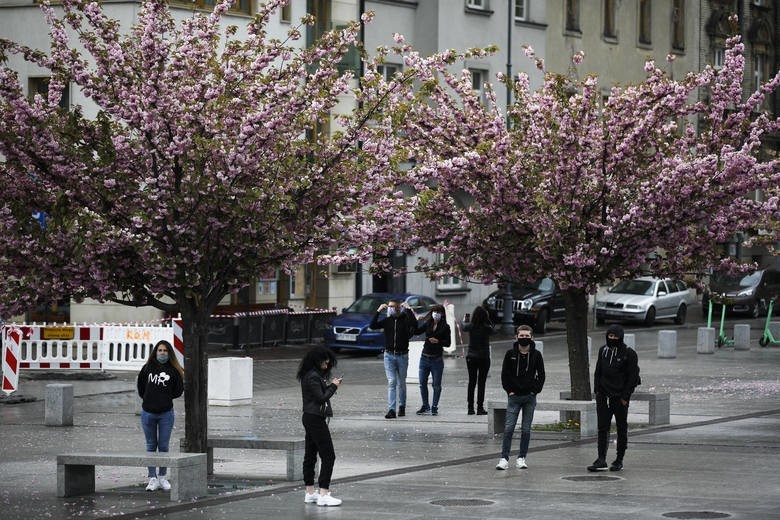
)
(157, 430)
(515, 404)
(435, 367)
(395, 370)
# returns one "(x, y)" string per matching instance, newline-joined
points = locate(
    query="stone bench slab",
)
(295, 449)
(659, 411)
(76, 471)
(587, 410)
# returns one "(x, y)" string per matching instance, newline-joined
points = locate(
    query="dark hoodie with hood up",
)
(522, 374)
(617, 368)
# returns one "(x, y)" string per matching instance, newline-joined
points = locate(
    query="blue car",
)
(350, 328)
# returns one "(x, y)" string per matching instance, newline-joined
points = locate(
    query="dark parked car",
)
(742, 293)
(350, 328)
(534, 304)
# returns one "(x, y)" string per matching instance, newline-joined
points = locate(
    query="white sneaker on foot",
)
(163, 480)
(502, 464)
(328, 500)
(311, 498)
(521, 463)
(153, 485)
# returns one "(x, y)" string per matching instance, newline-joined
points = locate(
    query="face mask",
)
(162, 358)
(436, 316)
(391, 311)
(613, 343)
(524, 342)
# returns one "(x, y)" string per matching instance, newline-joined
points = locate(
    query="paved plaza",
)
(717, 459)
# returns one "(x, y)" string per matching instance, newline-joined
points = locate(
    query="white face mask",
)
(391, 311)
(436, 316)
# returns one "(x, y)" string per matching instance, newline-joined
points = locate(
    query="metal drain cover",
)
(461, 502)
(695, 515)
(591, 478)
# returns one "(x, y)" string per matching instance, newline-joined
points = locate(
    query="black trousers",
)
(478, 371)
(318, 441)
(606, 407)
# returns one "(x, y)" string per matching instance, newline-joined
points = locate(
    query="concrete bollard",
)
(630, 341)
(705, 340)
(59, 405)
(742, 336)
(590, 347)
(230, 381)
(539, 346)
(667, 344)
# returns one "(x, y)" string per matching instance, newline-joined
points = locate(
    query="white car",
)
(645, 299)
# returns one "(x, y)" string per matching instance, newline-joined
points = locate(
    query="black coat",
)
(158, 385)
(398, 330)
(442, 334)
(316, 394)
(479, 340)
(522, 374)
(616, 373)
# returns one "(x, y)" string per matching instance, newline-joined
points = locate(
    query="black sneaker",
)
(598, 465)
(423, 410)
(481, 411)
(434, 411)
(471, 410)
(390, 414)
(617, 465)
(402, 411)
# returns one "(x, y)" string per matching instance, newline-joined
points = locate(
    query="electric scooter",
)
(768, 338)
(722, 340)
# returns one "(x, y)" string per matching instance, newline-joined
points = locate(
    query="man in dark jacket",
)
(522, 376)
(614, 380)
(398, 326)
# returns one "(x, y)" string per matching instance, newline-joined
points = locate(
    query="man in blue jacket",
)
(614, 380)
(399, 325)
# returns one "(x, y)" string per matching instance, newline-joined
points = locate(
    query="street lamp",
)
(507, 321)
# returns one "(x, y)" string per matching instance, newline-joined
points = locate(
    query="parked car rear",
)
(645, 299)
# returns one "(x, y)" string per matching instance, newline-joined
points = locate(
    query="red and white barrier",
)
(11, 338)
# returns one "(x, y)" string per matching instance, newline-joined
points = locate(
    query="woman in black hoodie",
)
(614, 380)
(160, 381)
(478, 357)
(316, 390)
(522, 376)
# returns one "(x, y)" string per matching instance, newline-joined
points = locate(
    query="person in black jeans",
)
(314, 374)
(399, 325)
(478, 357)
(614, 380)
(437, 338)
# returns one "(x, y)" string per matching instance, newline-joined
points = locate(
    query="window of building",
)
(678, 24)
(478, 78)
(40, 85)
(388, 70)
(645, 15)
(759, 62)
(448, 283)
(285, 14)
(477, 4)
(521, 10)
(239, 6)
(610, 29)
(573, 15)
(718, 54)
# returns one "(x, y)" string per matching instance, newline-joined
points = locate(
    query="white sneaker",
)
(163, 480)
(521, 463)
(311, 498)
(502, 464)
(153, 485)
(328, 500)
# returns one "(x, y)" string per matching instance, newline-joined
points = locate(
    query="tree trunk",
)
(195, 337)
(576, 301)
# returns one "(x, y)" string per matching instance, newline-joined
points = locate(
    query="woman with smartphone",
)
(317, 387)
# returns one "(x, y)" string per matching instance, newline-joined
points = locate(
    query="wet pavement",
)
(717, 459)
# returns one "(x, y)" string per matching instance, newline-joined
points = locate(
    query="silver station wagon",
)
(645, 299)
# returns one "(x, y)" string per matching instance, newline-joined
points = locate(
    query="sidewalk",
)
(718, 457)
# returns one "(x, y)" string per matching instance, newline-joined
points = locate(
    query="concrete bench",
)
(587, 409)
(76, 471)
(295, 449)
(658, 405)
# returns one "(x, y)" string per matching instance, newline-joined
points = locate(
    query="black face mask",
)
(524, 342)
(614, 343)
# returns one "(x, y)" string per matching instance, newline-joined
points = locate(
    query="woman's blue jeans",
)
(157, 430)
(515, 404)
(434, 367)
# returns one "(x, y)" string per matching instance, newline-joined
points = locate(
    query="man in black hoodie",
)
(399, 326)
(522, 376)
(614, 380)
